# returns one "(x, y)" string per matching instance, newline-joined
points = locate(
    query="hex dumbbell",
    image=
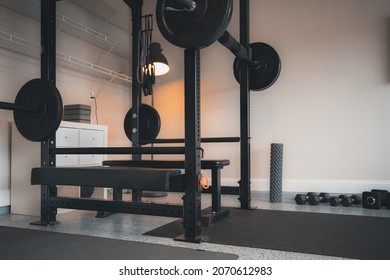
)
(347, 201)
(336, 200)
(312, 198)
(301, 199)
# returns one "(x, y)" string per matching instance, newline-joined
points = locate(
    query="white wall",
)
(329, 107)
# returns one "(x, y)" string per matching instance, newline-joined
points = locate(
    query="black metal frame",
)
(191, 209)
(48, 72)
(136, 9)
(245, 149)
(192, 196)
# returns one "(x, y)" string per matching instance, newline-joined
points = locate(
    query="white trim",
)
(5, 197)
(315, 185)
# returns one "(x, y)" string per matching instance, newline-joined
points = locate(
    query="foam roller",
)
(276, 176)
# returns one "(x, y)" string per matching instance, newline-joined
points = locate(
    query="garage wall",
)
(18, 64)
(329, 107)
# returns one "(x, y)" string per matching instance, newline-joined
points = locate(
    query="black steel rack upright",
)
(245, 149)
(48, 73)
(192, 196)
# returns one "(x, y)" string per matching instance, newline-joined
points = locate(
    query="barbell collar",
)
(20, 108)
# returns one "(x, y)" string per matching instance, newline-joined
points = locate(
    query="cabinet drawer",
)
(62, 160)
(67, 137)
(91, 138)
(91, 159)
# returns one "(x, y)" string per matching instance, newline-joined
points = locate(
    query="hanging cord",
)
(140, 56)
(152, 145)
(143, 62)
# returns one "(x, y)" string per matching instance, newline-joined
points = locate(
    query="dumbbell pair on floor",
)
(315, 199)
(345, 200)
(312, 198)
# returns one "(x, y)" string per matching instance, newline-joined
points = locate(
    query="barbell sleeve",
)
(15, 107)
(235, 47)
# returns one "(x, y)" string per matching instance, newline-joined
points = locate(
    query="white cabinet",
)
(91, 138)
(25, 199)
(83, 136)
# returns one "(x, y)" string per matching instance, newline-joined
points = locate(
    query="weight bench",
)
(150, 179)
(214, 165)
(139, 175)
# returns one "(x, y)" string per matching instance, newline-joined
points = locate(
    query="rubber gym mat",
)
(355, 237)
(28, 244)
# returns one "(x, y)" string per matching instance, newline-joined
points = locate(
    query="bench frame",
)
(216, 212)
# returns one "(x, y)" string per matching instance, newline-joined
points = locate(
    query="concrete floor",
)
(131, 227)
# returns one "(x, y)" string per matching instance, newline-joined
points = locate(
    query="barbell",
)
(199, 23)
(37, 110)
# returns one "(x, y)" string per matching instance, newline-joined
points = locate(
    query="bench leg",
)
(216, 189)
(217, 213)
(117, 194)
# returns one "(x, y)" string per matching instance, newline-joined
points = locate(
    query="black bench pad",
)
(149, 179)
(205, 164)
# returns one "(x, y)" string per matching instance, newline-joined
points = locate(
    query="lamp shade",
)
(160, 62)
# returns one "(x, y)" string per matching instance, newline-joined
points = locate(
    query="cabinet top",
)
(83, 125)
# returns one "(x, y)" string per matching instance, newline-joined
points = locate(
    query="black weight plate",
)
(267, 73)
(42, 125)
(196, 29)
(149, 123)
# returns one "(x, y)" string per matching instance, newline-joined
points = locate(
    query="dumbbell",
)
(375, 199)
(312, 198)
(336, 200)
(347, 201)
